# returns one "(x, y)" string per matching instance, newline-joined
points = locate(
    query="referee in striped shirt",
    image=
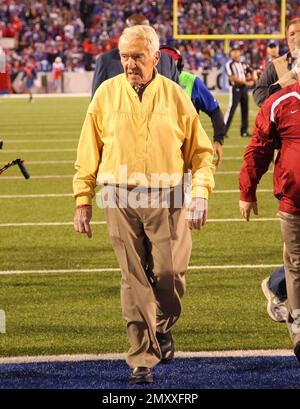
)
(238, 73)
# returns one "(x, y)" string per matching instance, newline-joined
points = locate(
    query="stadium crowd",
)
(241, 17)
(78, 31)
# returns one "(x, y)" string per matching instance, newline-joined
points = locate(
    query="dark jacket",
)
(279, 117)
(108, 65)
(266, 85)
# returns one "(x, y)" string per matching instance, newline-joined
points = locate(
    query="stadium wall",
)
(81, 82)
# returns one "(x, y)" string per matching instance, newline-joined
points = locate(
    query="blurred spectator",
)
(272, 52)
(58, 68)
(241, 16)
(15, 69)
(5, 81)
(78, 31)
(29, 75)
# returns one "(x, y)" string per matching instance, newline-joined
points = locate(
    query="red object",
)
(29, 72)
(5, 82)
(174, 55)
(57, 73)
(17, 24)
(88, 47)
(280, 115)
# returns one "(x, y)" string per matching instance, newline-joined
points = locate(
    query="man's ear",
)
(157, 57)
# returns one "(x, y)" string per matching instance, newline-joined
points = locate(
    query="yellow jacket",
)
(128, 141)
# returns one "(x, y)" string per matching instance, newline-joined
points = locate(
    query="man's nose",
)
(131, 62)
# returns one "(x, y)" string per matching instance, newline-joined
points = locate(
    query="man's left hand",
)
(246, 207)
(197, 213)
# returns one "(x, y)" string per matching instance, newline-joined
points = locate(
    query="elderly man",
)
(278, 74)
(279, 121)
(140, 135)
(109, 64)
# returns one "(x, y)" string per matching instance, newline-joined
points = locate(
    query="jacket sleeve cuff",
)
(249, 196)
(219, 139)
(83, 200)
(287, 79)
(200, 191)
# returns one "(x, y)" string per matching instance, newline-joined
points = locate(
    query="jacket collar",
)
(290, 60)
(145, 89)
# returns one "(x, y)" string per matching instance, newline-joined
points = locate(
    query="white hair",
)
(143, 32)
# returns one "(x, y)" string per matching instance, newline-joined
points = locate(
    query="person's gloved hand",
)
(197, 213)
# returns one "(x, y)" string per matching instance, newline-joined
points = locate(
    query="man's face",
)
(273, 51)
(137, 62)
(235, 54)
(293, 29)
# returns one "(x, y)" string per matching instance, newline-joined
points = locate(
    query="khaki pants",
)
(153, 248)
(290, 229)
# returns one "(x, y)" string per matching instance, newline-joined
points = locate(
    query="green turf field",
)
(77, 312)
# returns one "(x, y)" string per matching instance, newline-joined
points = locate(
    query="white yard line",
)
(38, 139)
(233, 266)
(103, 270)
(234, 146)
(35, 196)
(237, 190)
(232, 172)
(37, 177)
(18, 133)
(76, 140)
(117, 356)
(38, 96)
(8, 141)
(39, 224)
(48, 162)
(40, 127)
(232, 158)
(70, 194)
(225, 172)
(40, 150)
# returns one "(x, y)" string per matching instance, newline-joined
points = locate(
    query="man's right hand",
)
(82, 220)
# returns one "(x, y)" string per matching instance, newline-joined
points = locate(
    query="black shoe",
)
(167, 346)
(245, 135)
(141, 374)
(297, 351)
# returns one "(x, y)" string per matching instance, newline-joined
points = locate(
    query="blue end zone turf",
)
(191, 373)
